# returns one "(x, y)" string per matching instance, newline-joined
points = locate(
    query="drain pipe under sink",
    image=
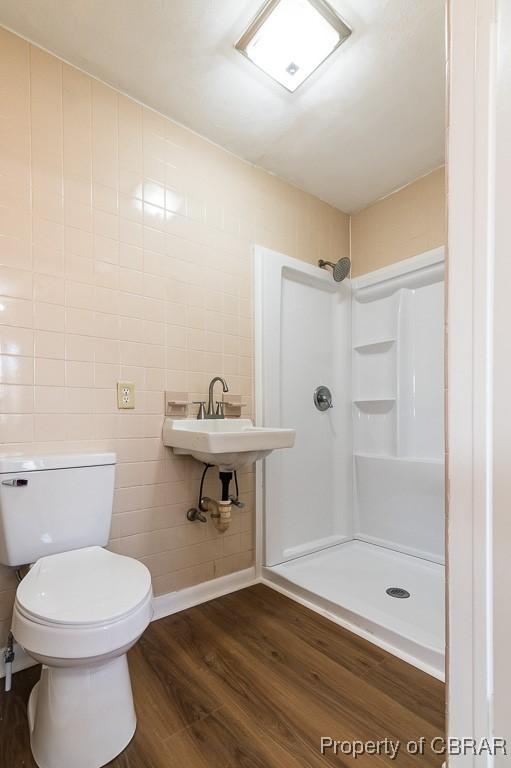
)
(221, 514)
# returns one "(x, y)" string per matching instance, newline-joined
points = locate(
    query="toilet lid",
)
(85, 586)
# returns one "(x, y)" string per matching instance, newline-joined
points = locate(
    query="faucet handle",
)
(202, 408)
(220, 408)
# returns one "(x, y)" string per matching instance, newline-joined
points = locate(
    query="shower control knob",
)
(323, 398)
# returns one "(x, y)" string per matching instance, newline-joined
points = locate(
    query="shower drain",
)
(398, 592)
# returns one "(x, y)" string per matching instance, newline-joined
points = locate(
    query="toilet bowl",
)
(78, 613)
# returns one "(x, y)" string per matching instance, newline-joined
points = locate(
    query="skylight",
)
(289, 39)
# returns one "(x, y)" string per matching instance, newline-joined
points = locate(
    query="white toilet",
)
(78, 610)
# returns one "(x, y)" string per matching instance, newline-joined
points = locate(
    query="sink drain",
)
(397, 592)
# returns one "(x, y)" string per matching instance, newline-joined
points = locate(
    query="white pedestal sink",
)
(226, 443)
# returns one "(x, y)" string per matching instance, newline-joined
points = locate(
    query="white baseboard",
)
(21, 660)
(172, 602)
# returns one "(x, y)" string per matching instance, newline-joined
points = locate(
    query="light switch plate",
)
(125, 394)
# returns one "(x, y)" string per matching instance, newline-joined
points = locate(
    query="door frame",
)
(478, 244)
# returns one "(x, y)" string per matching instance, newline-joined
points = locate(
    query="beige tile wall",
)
(407, 222)
(125, 245)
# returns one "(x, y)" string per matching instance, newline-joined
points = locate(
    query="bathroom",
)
(244, 521)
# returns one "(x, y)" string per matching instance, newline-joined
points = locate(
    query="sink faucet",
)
(210, 414)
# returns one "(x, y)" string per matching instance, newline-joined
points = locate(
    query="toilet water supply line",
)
(9, 650)
(8, 659)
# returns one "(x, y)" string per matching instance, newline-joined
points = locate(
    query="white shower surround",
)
(385, 434)
(304, 348)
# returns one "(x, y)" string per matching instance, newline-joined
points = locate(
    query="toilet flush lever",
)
(15, 481)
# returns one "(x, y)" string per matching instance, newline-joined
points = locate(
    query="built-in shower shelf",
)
(382, 345)
(394, 457)
(365, 455)
(375, 403)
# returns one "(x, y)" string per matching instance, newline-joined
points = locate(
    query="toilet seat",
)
(82, 604)
(83, 587)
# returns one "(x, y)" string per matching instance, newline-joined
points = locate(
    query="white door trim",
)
(471, 181)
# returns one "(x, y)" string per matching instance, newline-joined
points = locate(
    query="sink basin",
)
(226, 443)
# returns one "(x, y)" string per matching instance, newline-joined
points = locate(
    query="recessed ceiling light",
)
(289, 39)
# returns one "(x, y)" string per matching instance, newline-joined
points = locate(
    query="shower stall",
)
(352, 518)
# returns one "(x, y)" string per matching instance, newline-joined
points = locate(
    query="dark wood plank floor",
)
(253, 680)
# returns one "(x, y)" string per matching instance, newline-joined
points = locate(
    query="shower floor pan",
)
(348, 583)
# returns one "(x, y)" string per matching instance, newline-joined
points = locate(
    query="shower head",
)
(340, 269)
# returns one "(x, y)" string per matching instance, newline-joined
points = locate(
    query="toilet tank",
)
(51, 504)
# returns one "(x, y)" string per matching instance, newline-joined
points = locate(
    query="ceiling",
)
(368, 121)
